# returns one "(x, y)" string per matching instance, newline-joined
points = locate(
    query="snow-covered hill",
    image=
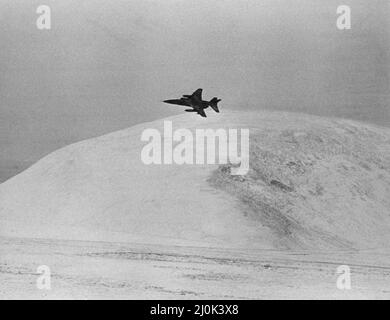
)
(313, 183)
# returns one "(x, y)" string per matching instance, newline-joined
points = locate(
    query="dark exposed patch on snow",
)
(299, 174)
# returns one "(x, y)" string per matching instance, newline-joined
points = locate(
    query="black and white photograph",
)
(166, 150)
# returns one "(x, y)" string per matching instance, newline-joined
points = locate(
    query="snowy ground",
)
(316, 197)
(91, 270)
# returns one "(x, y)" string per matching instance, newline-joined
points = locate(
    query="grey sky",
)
(106, 65)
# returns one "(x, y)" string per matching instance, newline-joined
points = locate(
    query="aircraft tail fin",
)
(214, 104)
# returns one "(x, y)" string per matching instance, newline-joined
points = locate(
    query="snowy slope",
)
(313, 182)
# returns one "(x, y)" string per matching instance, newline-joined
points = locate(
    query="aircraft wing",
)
(198, 94)
(180, 102)
(202, 113)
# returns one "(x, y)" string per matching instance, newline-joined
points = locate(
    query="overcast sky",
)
(106, 65)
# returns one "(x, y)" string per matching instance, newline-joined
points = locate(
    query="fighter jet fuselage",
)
(196, 103)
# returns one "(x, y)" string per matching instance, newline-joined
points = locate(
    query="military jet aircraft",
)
(196, 103)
